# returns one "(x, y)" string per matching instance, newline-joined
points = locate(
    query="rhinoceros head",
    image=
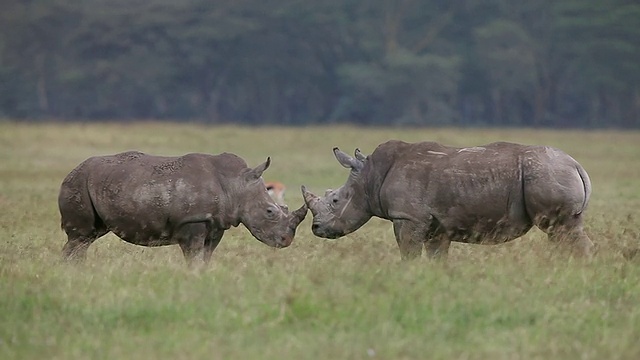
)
(267, 221)
(344, 210)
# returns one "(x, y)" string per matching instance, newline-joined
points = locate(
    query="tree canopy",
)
(564, 63)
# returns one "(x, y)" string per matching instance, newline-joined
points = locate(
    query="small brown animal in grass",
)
(276, 190)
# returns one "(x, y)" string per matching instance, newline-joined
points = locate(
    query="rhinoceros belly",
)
(487, 230)
(480, 205)
(141, 232)
(136, 209)
(491, 219)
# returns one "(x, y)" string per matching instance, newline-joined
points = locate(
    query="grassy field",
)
(350, 298)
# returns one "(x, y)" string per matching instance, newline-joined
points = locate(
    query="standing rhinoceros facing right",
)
(153, 200)
(436, 194)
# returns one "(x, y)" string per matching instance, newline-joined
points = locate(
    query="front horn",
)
(309, 199)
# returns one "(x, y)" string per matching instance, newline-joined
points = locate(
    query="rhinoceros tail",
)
(586, 183)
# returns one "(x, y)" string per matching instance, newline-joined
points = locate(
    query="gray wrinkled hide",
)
(153, 200)
(436, 194)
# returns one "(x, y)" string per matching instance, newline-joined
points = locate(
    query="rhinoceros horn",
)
(298, 216)
(309, 199)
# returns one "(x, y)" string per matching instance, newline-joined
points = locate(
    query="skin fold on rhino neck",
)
(344, 208)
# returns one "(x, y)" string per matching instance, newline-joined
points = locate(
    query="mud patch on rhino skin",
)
(128, 156)
(159, 195)
(169, 167)
(76, 199)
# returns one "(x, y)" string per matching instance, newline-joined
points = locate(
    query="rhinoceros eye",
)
(334, 202)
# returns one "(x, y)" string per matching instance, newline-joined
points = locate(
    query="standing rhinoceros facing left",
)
(436, 194)
(153, 201)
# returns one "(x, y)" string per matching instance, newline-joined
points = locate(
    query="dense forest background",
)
(562, 63)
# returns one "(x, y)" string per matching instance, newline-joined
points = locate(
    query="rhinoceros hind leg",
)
(79, 239)
(568, 231)
(191, 238)
(75, 249)
(82, 226)
(77, 245)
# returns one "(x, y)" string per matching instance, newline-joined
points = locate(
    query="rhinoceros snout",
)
(284, 242)
(324, 232)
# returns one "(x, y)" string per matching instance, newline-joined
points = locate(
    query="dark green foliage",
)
(403, 62)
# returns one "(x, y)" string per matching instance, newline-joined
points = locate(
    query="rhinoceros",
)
(155, 200)
(436, 194)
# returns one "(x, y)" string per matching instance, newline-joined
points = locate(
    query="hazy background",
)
(570, 63)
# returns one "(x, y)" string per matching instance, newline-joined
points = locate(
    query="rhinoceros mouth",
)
(279, 242)
(324, 233)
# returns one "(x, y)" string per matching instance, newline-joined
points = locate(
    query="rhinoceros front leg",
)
(191, 238)
(410, 237)
(211, 243)
(569, 232)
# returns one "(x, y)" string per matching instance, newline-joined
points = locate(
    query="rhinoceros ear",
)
(347, 161)
(359, 155)
(256, 172)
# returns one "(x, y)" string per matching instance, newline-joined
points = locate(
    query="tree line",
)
(563, 63)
